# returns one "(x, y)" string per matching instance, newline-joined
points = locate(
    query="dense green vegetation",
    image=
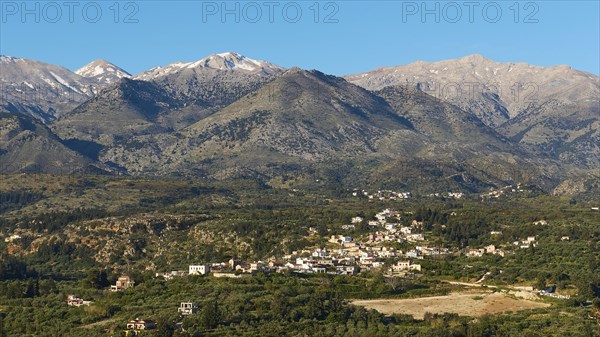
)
(76, 235)
(271, 305)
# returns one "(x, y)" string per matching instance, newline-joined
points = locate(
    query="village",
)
(343, 255)
(348, 256)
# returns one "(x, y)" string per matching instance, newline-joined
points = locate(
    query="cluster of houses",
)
(531, 241)
(137, 326)
(524, 244)
(394, 195)
(122, 283)
(504, 190)
(382, 195)
(491, 249)
(344, 254)
(451, 195)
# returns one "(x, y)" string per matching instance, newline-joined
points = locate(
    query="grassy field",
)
(471, 303)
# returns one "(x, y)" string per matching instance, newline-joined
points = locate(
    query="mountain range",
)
(470, 123)
(552, 109)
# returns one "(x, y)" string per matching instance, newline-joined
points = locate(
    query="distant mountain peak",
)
(223, 61)
(7, 59)
(102, 71)
(475, 58)
(229, 54)
(231, 61)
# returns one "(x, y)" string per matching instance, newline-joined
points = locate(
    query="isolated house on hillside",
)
(75, 301)
(124, 282)
(138, 324)
(357, 219)
(187, 308)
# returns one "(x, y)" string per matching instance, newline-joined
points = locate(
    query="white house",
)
(199, 269)
(490, 249)
(340, 239)
(12, 238)
(357, 219)
(320, 253)
(187, 308)
(373, 223)
(75, 301)
(138, 324)
(415, 237)
(405, 265)
(475, 252)
(406, 230)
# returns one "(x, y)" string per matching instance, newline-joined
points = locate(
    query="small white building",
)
(75, 301)
(138, 324)
(415, 237)
(475, 252)
(490, 249)
(406, 230)
(373, 223)
(404, 266)
(187, 308)
(12, 238)
(199, 269)
(340, 239)
(357, 219)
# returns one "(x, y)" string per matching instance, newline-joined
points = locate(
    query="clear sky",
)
(340, 37)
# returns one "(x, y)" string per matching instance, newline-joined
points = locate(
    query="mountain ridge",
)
(227, 115)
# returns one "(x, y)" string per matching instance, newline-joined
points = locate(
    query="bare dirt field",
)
(463, 303)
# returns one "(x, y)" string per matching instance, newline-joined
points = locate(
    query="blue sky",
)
(342, 37)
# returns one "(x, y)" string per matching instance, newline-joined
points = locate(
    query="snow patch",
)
(65, 83)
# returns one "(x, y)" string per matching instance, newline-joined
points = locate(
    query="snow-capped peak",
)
(102, 71)
(8, 59)
(231, 61)
(222, 61)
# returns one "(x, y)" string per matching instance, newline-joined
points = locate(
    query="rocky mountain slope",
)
(41, 90)
(555, 110)
(125, 109)
(305, 123)
(46, 91)
(26, 145)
